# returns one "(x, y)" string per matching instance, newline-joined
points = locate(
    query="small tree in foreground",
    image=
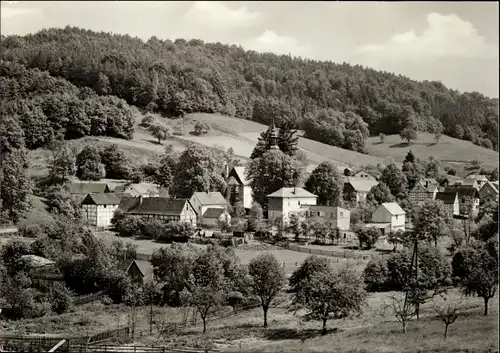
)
(403, 310)
(160, 132)
(332, 295)
(268, 279)
(447, 312)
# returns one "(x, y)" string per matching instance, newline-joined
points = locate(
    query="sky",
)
(452, 42)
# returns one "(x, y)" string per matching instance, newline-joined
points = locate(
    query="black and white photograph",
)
(249, 176)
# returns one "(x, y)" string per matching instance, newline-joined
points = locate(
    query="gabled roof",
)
(446, 197)
(88, 188)
(142, 188)
(232, 181)
(213, 213)
(463, 191)
(452, 179)
(369, 175)
(479, 177)
(153, 206)
(491, 185)
(291, 192)
(210, 198)
(35, 261)
(101, 199)
(145, 267)
(428, 184)
(468, 182)
(393, 208)
(362, 184)
(240, 175)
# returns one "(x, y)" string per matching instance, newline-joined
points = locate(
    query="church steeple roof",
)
(274, 137)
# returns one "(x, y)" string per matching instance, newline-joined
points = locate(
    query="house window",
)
(341, 214)
(463, 200)
(299, 202)
(331, 214)
(396, 217)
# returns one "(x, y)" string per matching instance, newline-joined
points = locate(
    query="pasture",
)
(452, 151)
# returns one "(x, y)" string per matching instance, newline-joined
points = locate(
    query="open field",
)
(376, 330)
(448, 149)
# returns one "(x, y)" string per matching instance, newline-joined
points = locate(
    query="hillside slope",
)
(338, 104)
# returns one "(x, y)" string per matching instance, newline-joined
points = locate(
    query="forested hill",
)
(339, 104)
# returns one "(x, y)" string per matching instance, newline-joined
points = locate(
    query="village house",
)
(162, 209)
(142, 189)
(238, 184)
(467, 183)
(356, 189)
(489, 192)
(337, 217)
(450, 200)
(468, 198)
(202, 201)
(213, 216)
(287, 201)
(389, 216)
(138, 270)
(424, 189)
(479, 178)
(99, 209)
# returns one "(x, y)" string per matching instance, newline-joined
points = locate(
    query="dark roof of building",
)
(446, 197)
(142, 188)
(145, 267)
(88, 188)
(463, 191)
(210, 198)
(213, 213)
(152, 206)
(240, 175)
(101, 199)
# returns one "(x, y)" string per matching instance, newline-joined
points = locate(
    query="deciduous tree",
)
(268, 280)
(326, 183)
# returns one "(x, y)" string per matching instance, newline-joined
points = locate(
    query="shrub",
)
(376, 275)
(152, 229)
(201, 128)
(368, 237)
(147, 120)
(178, 232)
(129, 226)
(59, 298)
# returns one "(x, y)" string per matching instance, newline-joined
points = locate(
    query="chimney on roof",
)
(294, 190)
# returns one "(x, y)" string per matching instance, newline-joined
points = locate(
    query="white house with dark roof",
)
(162, 209)
(99, 209)
(356, 189)
(238, 183)
(287, 201)
(202, 201)
(142, 189)
(390, 214)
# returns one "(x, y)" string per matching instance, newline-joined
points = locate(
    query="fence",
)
(343, 254)
(120, 333)
(85, 299)
(30, 344)
(133, 349)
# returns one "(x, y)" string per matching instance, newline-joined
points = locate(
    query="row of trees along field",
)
(339, 104)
